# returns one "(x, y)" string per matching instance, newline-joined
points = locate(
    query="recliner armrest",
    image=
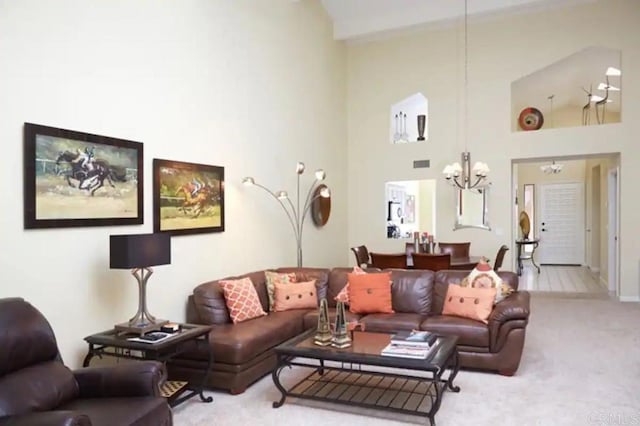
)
(140, 378)
(513, 307)
(47, 418)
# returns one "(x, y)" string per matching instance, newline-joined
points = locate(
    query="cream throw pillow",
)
(483, 276)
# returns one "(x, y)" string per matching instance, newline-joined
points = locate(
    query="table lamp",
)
(139, 252)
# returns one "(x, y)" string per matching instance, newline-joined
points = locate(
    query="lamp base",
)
(140, 328)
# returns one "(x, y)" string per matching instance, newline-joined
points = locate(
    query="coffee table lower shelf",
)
(420, 396)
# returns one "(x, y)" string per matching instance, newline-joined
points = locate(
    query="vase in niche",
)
(422, 122)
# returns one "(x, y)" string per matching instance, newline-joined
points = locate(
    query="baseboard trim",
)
(629, 298)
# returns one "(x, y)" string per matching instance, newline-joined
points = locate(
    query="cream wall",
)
(427, 205)
(430, 61)
(253, 86)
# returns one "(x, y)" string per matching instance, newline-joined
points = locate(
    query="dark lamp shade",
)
(139, 250)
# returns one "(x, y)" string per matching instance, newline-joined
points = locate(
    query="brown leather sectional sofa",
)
(243, 352)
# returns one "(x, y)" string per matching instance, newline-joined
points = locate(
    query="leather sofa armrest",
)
(140, 378)
(513, 307)
(47, 418)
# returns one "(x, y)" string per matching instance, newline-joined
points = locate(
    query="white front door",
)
(561, 224)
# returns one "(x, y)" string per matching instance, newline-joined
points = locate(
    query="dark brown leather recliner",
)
(37, 389)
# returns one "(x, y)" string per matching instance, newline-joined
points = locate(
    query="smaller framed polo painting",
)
(188, 198)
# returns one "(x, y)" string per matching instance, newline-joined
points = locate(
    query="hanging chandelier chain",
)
(466, 78)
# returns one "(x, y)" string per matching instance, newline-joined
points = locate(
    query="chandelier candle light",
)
(296, 215)
(457, 174)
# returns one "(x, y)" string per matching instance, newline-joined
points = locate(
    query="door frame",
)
(581, 215)
(613, 230)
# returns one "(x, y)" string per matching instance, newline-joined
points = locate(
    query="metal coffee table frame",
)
(350, 384)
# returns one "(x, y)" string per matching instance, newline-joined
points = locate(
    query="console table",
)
(115, 343)
(522, 255)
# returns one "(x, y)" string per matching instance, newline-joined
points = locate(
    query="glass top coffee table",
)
(415, 386)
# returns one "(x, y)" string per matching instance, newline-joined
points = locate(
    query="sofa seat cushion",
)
(138, 411)
(390, 323)
(469, 332)
(311, 318)
(239, 343)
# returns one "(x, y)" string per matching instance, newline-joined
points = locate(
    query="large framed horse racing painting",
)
(188, 198)
(73, 178)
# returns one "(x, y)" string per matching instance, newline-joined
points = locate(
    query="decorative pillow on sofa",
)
(275, 277)
(469, 302)
(343, 296)
(242, 299)
(370, 293)
(295, 296)
(483, 276)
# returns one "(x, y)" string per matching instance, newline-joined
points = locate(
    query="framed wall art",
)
(74, 179)
(188, 198)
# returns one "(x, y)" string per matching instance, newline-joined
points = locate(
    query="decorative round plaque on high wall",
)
(530, 119)
(321, 207)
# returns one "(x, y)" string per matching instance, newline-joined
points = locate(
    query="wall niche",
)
(409, 120)
(582, 89)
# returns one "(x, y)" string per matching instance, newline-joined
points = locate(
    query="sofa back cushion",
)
(412, 290)
(444, 278)
(210, 304)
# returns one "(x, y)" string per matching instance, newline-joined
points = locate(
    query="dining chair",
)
(409, 249)
(385, 261)
(500, 257)
(457, 250)
(362, 255)
(433, 262)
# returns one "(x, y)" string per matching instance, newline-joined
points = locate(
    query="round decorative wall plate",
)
(530, 119)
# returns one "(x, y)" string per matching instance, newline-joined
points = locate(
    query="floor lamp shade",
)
(139, 252)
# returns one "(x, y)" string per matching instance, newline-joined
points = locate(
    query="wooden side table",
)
(526, 256)
(116, 344)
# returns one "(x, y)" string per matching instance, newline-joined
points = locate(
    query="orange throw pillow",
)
(343, 296)
(295, 296)
(370, 293)
(469, 302)
(242, 299)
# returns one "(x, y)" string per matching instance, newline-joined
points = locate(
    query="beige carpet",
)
(581, 366)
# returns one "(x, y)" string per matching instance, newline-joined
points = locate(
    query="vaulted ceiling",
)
(356, 19)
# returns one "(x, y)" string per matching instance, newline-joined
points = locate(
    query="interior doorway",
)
(590, 185)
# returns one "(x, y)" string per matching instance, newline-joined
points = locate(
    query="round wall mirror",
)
(321, 207)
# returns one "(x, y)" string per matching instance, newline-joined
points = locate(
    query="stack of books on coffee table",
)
(411, 344)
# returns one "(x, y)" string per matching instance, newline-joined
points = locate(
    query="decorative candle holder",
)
(323, 332)
(341, 337)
